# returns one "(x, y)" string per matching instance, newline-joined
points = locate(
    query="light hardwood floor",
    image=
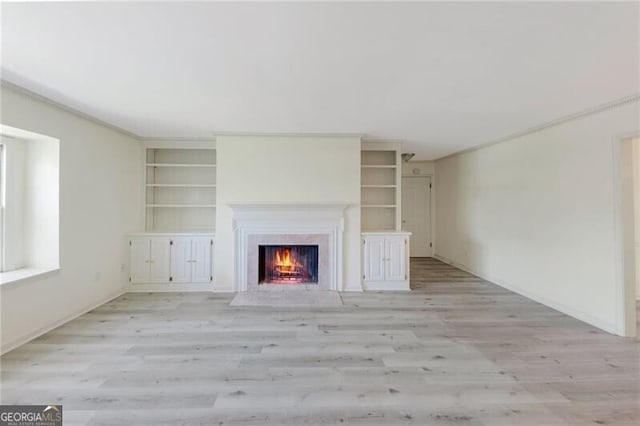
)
(456, 350)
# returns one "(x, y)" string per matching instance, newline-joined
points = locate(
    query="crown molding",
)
(552, 123)
(35, 96)
(365, 137)
(291, 134)
(370, 139)
(177, 139)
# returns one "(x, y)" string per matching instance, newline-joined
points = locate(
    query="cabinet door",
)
(160, 260)
(201, 257)
(374, 253)
(213, 256)
(139, 260)
(395, 254)
(181, 260)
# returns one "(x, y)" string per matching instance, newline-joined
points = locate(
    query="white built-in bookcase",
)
(180, 188)
(380, 181)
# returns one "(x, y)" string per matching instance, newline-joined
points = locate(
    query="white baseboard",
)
(172, 288)
(357, 288)
(47, 328)
(387, 286)
(579, 315)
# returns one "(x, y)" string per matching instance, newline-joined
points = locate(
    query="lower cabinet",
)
(171, 259)
(385, 260)
(191, 260)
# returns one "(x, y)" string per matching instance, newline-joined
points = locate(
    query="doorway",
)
(626, 192)
(635, 149)
(416, 214)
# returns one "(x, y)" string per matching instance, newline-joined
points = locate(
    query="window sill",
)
(23, 274)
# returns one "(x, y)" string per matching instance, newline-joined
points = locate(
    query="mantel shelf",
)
(179, 165)
(180, 185)
(180, 206)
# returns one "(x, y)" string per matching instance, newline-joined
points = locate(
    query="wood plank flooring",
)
(455, 351)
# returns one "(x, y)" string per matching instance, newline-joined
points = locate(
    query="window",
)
(2, 178)
(29, 204)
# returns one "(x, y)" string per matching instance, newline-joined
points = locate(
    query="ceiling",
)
(444, 77)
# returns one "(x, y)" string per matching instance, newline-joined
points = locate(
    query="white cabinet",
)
(140, 254)
(191, 260)
(181, 260)
(149, 260)
(177, 259)
(386, 260)
(374, 255)
(395, 268)
(159, 260)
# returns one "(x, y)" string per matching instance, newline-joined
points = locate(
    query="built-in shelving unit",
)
(380, 186)
(180, 186)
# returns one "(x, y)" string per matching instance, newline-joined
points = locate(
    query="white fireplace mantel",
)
(288, 219)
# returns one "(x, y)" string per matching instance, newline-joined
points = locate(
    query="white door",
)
(139, 260)
(201, 259)
(395, 256)
(181, 260)
(416, 213)
(374, 259)
(160, 260)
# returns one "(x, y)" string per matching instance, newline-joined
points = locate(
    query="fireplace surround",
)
(319, 225)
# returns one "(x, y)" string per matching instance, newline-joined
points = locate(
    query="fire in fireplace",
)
(288, 264)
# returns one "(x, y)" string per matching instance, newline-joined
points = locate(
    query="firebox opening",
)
(288, 264)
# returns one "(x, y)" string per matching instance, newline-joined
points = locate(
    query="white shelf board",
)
(209, 232)
(375, 206)
(378, 186)
(381, 166)
(180, 206)
(179, 165)
(180, 185)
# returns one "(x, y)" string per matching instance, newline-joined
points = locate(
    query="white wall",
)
(636, 197)
(100, 171)
(41, 225)
(536, 214)
(418, 168)
(287, 170)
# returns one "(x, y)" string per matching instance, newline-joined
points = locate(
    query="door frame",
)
(624, 230)
(432, 207)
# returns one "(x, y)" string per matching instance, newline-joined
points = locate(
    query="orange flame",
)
(284, 260)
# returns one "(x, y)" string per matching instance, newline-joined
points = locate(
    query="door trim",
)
(432, 207)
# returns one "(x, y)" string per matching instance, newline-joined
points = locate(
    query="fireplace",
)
(259, 226)
(287, 264)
